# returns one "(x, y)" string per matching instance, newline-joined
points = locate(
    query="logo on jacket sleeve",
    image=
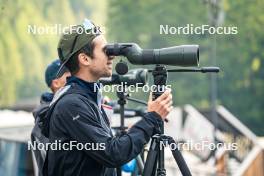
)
(76, 117)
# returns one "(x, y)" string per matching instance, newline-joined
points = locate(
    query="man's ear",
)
(84, 59)
(55, 83)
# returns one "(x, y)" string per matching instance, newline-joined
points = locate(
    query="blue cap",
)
(52, 70)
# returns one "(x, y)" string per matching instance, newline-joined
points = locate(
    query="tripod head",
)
(160, 74)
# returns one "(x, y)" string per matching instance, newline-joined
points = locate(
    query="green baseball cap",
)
(76, 38)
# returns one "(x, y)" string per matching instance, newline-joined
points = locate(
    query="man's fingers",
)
(166, 111)
(167, 99)
(162, 105)
(164, 95)
(169, 103)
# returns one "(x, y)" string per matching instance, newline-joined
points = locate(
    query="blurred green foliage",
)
(24, 56)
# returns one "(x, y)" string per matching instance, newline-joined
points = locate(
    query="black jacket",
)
(78, 116)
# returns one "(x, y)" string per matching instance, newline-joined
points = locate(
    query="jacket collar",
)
(92, 88)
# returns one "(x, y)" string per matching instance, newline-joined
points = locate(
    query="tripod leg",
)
(140, 164)
(161, 166)
(151, 161)
(119, 171)
(180, 160)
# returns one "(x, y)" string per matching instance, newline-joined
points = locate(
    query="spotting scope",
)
(183, 55)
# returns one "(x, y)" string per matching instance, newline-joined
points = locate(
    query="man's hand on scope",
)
(162, 105)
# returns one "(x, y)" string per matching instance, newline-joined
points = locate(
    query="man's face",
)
(101, 64)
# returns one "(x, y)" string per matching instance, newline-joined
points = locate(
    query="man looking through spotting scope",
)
(79, 116)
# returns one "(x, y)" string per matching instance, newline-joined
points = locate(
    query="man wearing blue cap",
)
(54, 82)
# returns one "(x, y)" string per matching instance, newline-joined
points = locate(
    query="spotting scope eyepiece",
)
(183, 55)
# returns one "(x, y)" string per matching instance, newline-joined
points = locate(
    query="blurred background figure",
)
(54, 82)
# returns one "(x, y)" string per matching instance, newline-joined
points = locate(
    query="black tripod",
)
(155, 159)
(122, 100)
(156, 151)
(154, 164)
(122, 95)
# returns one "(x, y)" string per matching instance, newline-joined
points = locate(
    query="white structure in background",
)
(15, 129)
(10, 118)
(188, 124)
